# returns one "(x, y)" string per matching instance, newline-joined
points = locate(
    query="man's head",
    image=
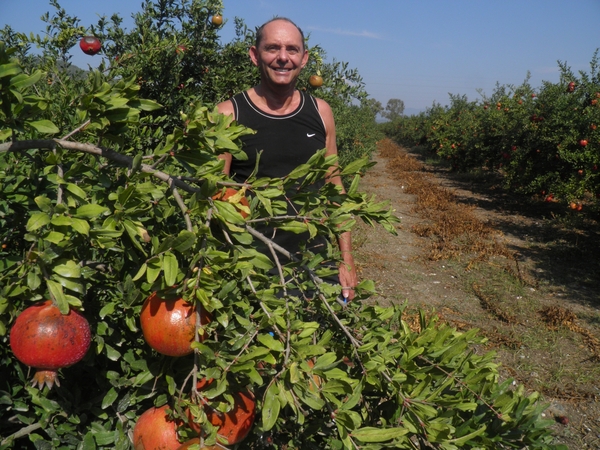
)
(279, 53)
(260, 30)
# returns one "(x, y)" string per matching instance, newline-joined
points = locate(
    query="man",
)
(291, 125)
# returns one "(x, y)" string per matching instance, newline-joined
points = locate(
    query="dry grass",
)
(453, 228)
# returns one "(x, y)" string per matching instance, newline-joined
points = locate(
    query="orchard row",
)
(543, 142)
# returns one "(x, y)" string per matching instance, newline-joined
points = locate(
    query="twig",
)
(76, 130)
(22, 432)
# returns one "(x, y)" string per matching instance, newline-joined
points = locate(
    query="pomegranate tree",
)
(44, 338)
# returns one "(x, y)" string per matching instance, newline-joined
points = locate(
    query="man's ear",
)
(253, 52)
(305, 58)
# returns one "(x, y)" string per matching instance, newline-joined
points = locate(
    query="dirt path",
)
(396, 263)
(555, 362)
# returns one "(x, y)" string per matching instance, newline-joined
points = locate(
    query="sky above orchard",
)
(417, 51)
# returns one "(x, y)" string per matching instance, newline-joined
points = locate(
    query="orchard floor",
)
(539, 307)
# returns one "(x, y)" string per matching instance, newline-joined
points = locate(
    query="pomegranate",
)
(169, 326)
(47, 340)
(90, 45)
(234, 425)
(156, 430)
(315, 81)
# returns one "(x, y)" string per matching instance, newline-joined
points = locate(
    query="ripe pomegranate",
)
(234, 425)
(224, 195)
(155, 430)
(47, 340)
(169, 326)
(90, 45)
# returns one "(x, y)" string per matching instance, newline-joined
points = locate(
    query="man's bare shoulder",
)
(226, 108)
(323, 106)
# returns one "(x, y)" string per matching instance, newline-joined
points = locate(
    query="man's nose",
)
(283, 55)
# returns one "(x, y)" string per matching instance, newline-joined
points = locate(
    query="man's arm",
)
(347, 270)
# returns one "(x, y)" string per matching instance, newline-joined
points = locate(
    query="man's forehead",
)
(281, 29)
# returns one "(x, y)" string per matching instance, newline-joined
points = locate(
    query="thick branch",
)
(122, 160)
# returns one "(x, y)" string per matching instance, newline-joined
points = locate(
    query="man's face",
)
(281, 54)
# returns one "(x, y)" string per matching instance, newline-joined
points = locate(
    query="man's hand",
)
(348, 277)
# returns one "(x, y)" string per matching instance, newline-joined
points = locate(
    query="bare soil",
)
(526, 273)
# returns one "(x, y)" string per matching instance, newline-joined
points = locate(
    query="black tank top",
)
(285, 141)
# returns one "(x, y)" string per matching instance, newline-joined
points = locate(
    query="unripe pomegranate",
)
(169, 326)
(155, 430)
(47, 340)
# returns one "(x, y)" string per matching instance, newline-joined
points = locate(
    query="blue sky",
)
(417, 51)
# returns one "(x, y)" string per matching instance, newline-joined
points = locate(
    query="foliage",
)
(544, 143)
(394, 109)
(106, 198)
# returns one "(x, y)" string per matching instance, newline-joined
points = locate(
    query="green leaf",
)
(171, 268)
(372, 434)
(90, 211)
(43, 126)
(58, 295)
(81, 226)
(145, 105)
(269, 341)
(464, 439)
(37, 220)
(76, 190)
(271, 407)
(184, 241)
(69, 269)
(109, 398)
(10, 69)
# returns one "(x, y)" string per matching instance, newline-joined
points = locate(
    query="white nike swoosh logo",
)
(310, 135)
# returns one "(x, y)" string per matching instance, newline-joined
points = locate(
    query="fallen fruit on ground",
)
(169, 325)
(233, 425)
(44, 338)
(155, 430)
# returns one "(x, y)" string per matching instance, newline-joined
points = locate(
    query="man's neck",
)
(279, 101)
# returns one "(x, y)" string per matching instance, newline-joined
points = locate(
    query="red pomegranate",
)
(90, 45)
(169, 326)
(155, 430)
(237, 422)
(47, 340)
